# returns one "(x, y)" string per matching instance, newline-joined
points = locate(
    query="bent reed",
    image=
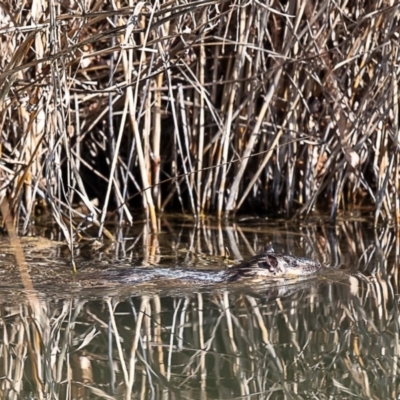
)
(209, 106)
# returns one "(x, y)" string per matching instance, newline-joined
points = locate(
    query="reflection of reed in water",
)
(335, 336)
(323, 340)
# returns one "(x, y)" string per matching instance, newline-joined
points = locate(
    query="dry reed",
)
(213, 106)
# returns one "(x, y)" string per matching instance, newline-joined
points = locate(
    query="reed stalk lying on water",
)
(212, 106)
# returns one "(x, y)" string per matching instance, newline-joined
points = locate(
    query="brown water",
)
(333, 336)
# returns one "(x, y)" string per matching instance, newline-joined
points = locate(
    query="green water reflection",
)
(333, 336)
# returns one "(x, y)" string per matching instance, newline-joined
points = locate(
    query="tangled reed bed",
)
(211, 106)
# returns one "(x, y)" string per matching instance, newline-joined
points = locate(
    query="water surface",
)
(334, 335)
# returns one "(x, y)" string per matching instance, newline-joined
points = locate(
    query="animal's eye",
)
(269, 263)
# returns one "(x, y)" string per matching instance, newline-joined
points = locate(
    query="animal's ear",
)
(269, 248)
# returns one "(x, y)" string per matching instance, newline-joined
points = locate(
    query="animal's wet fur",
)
(263, 267)
(273, 265)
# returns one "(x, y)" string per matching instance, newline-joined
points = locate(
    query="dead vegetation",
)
(207, 106)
